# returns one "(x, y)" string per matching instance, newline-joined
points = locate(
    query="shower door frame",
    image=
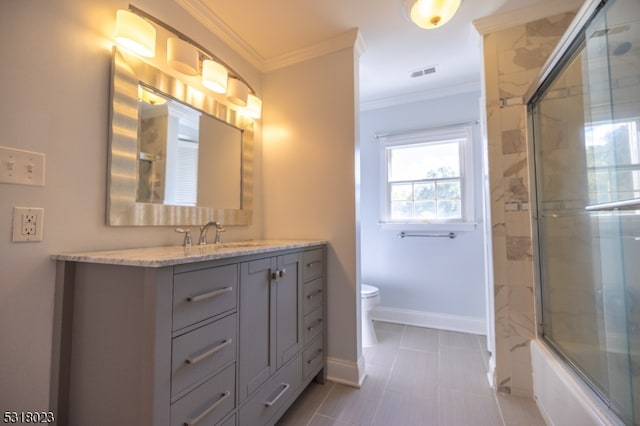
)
(566, 48)
(569, 46)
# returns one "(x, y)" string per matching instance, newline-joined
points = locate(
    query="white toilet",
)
(370, 298)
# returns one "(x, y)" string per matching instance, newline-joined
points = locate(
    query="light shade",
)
(237, 92)
(254, 107)
(182, 56)
(135, 34)
(433, 13)
(214, 76)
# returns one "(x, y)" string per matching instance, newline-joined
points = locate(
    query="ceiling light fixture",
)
(429, 14)
(135, 34)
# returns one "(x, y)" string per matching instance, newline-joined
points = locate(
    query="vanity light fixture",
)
(135, 34)
(237, 92)
(214, 76)
(254, 107)
(182, 56)
(429, 14)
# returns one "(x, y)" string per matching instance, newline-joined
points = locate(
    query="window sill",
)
(428, 227)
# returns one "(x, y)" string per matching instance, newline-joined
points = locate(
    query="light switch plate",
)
(28, 224)
(21, 167)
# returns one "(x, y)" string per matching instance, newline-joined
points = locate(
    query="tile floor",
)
(416, 376)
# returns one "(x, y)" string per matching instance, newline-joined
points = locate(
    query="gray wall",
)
(309, 181)
(432, 275)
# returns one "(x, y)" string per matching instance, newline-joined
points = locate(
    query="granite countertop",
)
(178, 255)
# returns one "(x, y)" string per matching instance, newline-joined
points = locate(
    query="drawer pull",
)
(314, 294)
(209, 295)
(282, 392)
(318, 353)
(206, 412)
(312, 264)
(196, 359)
(318, 322)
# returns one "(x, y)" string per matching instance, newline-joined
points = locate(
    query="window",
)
(186, 185)
(613, 160)
(427, 177)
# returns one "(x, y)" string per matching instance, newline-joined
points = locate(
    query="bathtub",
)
(562, 397)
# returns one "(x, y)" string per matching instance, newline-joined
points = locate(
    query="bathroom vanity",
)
(225, 334)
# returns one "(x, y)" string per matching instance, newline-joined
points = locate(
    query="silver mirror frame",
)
(127, 71)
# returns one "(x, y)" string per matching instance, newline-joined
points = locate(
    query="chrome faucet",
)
(203, 232)
(187, 236)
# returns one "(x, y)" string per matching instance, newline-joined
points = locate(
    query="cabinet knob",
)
(278, 273)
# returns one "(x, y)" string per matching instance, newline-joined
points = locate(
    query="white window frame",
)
(439, 135)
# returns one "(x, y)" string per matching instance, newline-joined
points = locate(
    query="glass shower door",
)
(613, 144)
(586, 125)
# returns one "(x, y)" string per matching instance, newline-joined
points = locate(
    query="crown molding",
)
(350, 38)
(359, 45)
(218, 27)
(501, 21)
(425, 95)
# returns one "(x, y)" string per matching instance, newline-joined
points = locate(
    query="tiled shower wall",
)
(512, 59)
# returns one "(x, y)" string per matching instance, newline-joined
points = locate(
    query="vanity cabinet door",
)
(289, 318)
(257, 350)
(271, 318)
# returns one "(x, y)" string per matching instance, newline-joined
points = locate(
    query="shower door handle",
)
(624, 204)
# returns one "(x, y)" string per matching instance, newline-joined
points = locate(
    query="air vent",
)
(422, 72)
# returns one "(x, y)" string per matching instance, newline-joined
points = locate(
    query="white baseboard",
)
(346, 372)
(491, 374)
(463, 324)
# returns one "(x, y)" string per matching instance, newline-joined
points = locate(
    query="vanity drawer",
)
(231, 421)
(312, 264)
(202, 352)
(273, 395)
(198, 295)
(208, 403)
(313, 325)
(313, 295)
(313, 358)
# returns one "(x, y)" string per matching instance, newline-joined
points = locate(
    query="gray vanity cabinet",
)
(230, 341)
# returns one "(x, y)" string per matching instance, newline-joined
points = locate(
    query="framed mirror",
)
(177, 156)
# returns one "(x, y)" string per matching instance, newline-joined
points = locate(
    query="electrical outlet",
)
(28, 224)
(28, 229)
(29, 217)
